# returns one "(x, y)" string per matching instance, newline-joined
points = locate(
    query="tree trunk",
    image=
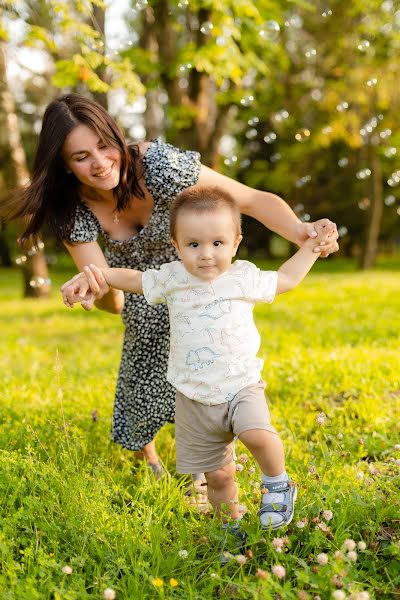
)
(99, 25)
(154, 113)
(37, 282)
(5, 254)
(370, 249)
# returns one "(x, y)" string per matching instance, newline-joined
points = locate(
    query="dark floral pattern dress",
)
(144, 400)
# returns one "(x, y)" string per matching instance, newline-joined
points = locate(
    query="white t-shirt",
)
(214, 340)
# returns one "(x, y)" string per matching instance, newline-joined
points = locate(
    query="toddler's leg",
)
(279, 495)
(267, 449)
(223, 491)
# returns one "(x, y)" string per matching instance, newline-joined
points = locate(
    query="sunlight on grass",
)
(70, 498)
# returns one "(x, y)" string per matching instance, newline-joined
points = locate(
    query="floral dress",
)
(144, 400)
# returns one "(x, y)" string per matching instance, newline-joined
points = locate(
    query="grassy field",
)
(70, 498)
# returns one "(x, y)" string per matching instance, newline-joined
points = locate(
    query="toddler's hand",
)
(78, 291)
(325, 234)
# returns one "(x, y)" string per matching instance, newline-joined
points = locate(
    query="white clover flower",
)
(67, 570)
(351, 555)
(252, 470)
(349, 544)
(360, 596)
(183, 553)
(301, 524)
(109, 594)
(328, 515)
(339, 595)
(241, 559)
(362, 545)
(279, 571)
(359, 475)
(239, 467)
(322, 559)
(321, 418)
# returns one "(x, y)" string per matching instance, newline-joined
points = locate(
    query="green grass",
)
(70, 497)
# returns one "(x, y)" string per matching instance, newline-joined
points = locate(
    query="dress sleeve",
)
(169, 170)
(85, 228)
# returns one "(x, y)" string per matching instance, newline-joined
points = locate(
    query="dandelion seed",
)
(183, 554)
(322, 559)
(351, 555)
(241, 559)
(339, 595)
(261, 574)
(157, 582)
(328, 515)
(67, 570)
(109, 594)
(362, 545)
(349, 545)
(279, 571)
(321, 418)
(173, 582)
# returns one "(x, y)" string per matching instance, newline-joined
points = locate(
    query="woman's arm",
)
(270, 210)
(104, 297)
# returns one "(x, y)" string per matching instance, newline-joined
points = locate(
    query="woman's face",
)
(92, 162)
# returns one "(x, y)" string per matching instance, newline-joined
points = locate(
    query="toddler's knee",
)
(221, 477)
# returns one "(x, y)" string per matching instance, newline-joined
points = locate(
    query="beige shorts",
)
(205, 434)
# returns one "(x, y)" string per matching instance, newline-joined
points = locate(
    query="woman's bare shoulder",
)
(142, 148)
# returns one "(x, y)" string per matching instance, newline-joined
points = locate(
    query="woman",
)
(88, 183)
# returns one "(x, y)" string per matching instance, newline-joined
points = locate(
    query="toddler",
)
(214, 342)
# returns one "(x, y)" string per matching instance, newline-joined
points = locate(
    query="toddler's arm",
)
(293, 271)
(127, 280)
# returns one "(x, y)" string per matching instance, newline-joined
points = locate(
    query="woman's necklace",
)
(116, 219)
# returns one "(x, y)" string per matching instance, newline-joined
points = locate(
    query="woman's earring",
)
(69, 172)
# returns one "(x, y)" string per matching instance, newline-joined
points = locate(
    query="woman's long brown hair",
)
(53, 194)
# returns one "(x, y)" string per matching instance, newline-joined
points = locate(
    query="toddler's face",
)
(206, 242)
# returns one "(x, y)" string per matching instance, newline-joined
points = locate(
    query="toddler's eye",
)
(217, 243)
(193, 244)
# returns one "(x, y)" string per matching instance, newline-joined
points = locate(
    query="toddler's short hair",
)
(201, 199)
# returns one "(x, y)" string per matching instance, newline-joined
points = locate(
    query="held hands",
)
(85, 288)
(324, 233)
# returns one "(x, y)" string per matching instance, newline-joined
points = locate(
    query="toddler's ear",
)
(239, 239)
(175, 245)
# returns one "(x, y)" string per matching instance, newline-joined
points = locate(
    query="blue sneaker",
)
(277, 504)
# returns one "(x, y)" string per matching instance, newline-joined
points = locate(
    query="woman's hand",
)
(86, 288)
(308, 230)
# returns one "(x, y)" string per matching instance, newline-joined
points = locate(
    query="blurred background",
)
(298, 98)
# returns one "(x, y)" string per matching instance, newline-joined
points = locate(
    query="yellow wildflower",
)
(173, 582)
(157, 582)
